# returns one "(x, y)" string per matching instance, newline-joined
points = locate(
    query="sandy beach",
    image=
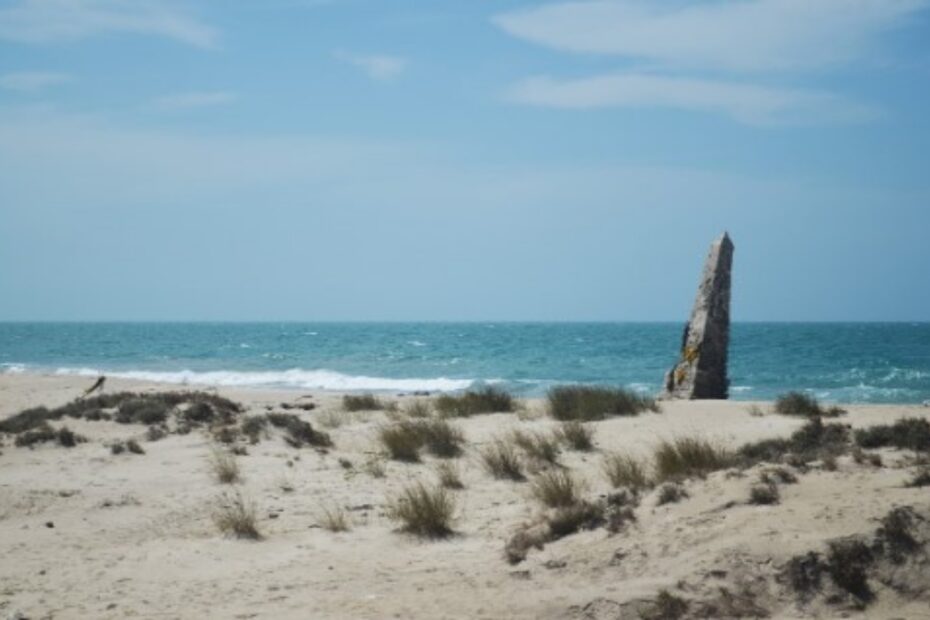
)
(85, 533)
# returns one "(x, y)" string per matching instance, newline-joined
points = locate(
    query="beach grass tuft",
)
(361, 402)
(686, 457)
(589, 403)
(803, 404)
(576, 435)
(623, 471)
(473, 402)
(556, 488)
(235, 516)
(501, 460)
(423, 510)
(224, 466)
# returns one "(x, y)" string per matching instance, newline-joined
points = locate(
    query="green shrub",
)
(799, 403)
(905, 434)
(625, 472)
(847, 562)
(815, 440)
(363, 402)
(299, 432)
(27, 420)
(587, 403)
(687, 457)
(576, 435)
(486, 400)
(501, 460)
(671, 493)
(45, 433)
(424, 511)
(254, 427)
(142, 410)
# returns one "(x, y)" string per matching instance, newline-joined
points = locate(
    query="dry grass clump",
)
(330, 419)
(224, 466)
(556, 488)
(486, 400)
(799, 403)
(449, 477)
(334, 519)
(861, 457)
(587, 403)
(441, 438)
(424, 511)
(666, 606)
(299, 432)
(235, 516)
(576, 435)
(624, 471)
(417, 409)
(402, 441)
(502, 461)
(671, 493)
(687, 457)
(375, 468)
(775, 475)
(361, 402)
(538, 446)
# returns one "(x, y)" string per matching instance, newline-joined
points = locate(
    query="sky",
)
(463, 159)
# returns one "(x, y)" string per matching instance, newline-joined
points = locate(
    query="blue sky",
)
(464, 159)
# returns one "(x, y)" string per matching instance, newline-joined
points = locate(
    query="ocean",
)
(840, 362)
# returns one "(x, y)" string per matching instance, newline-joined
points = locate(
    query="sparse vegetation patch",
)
(487, 400)
(423, 511)
(587, 403)
(800, 403)
(361, 402)
(687, 457)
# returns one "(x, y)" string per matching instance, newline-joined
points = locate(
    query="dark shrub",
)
(117, 448)
(764, 494)
(155, 433)
(666, 607)
(441, 438)
(921, 478)
(142, 410)
(299, 432)
(68, 438)
(133, 446)
(671, 494)
(847, 561)
(906, 434)
(804, 574)
(39, 434)
(895, 536)
(486, 400)
(199, 413)
(799, 403)
(537, 446)
(567, 520)
(587, 403)
(27, 420)
(364, 402)
(253, 427)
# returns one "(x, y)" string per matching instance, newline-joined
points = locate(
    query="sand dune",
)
(85, 533)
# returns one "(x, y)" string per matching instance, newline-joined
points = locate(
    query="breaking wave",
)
(295, 378)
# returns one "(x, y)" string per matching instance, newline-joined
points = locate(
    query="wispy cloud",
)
(689, 53)
(32, 81)
(183, 101)
(54, 21)
(740, 35)
(381, 67)
(746, 103)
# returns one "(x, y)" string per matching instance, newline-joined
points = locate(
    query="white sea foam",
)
(293, 378)
(13, 369)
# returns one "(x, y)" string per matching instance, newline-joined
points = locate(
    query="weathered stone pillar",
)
(701, 371)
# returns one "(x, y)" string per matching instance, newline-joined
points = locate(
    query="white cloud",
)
(740, 35)
(378, 66)
(182, 101)
(746, 103)
(52, 21)
(32, 81)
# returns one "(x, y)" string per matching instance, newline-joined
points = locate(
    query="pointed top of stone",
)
(701, 371)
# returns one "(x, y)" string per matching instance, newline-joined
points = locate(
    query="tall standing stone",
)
(701, 371)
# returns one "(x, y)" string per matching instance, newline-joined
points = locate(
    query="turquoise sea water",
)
(844, 362)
